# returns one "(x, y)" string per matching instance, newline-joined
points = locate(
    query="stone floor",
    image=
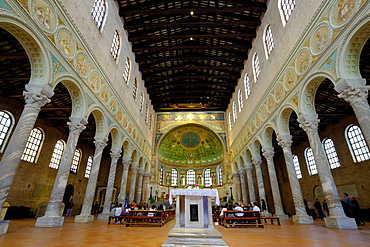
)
(22, 233)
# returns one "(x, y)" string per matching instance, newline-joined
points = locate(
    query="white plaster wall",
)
(285, 39)
(100, 44)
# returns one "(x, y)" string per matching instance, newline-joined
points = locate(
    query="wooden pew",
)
(272, 218)
(118, 218)
(249, 218)
(146, 218)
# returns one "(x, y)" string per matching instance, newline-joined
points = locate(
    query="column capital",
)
(135, 166)
(256, 161)
(284, 141)
(115, 154)
(268, 153)
(76, 127)
(241, 171)
(126, 163)
(236, 174)
(352, 94)
(141, 172)
(100, 143)
(309, 123)
(37, 97)
(146, 174)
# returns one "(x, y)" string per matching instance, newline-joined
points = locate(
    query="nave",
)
(22, 233)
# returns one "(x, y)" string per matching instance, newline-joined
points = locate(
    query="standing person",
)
(347, 200)
(356, 212)
(325, 207)
(319, 209)
(311, 207)
(69, 207)
(263, 207)
(96, 208)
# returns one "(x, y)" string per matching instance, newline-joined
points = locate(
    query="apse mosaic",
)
(190, 146)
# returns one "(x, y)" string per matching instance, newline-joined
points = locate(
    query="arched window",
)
(331, 154)
(134, 90)
(98, 12)
(116, 45)
(286, 8)
(357, 144)
(240, 98)
(310, 160)
(173, 177)
(150, 121)
(88, 166)
(6, 124)
(76, 161)
(190, 177)
(56, 157)
(269, 41)
(256, 67)
(219, 173)
(207, 178)
(33, 145)
(297, 167)
(126, 70)
(161, 174)
(235, 116)
(247, 86)
(146, 113)
(141, 103)
(230, 121)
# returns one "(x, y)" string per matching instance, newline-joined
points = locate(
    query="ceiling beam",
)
(13, 55)
(190, 47)
(217, 68)
(205, 76)
(251, 21)
(252, 6)
(190, 57)
(195, 36)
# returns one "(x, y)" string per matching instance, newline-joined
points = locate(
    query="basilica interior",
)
(121, 101)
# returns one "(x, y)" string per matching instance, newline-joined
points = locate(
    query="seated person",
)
(238, 208)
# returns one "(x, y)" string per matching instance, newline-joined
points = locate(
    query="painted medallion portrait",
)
(44, 15)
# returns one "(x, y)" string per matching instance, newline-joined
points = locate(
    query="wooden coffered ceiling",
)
(191, 53)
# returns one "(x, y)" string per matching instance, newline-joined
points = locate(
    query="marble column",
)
(86, 216)
(145, 193)
(115, 155)
(237, 189)
(126, 162)
(337, 219)
(248, 170)
(52, 216)
(268, 153)
(357, 97)
(139, 186)
(257, 161)
(300, 217)
(243, 185)
(134, 168)
(36, 97)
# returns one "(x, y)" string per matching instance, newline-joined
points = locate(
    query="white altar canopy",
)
(195, 192)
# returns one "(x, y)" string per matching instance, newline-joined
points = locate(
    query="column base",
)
(302, 219)
(84, 218)
(49, 221)
(103, 216)
(4, 224)
(340, 223)
(283, 217)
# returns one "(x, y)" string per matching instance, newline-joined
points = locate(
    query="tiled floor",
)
(22, 233)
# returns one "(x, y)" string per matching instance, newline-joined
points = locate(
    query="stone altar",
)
(194, 225)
